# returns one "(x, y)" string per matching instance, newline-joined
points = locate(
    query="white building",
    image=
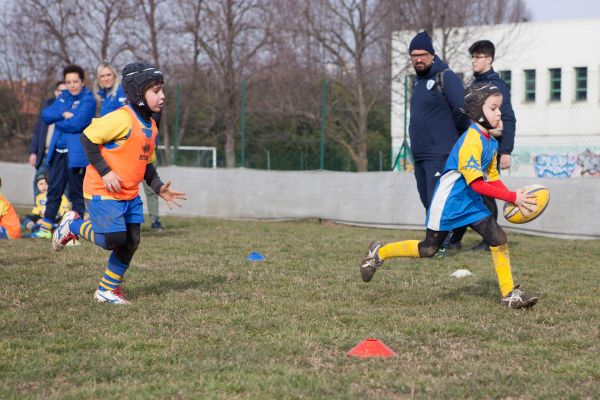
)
(553, 70)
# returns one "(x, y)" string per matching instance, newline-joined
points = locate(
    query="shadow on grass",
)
(486, 288)
(180, 286)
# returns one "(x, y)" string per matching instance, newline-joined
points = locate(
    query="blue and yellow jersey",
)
(127, 145)
(40, 205)
(454, 203)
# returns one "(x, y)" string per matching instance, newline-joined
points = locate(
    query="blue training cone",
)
(255, 256)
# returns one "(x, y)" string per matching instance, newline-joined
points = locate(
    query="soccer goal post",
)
(190, 156)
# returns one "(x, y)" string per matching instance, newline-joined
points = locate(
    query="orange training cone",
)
(371, 348)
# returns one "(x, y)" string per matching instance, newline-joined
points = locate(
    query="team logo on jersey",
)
(473, 164)
(430, 84)
(75, 104)
(145, 149)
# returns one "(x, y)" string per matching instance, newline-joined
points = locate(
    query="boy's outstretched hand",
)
(525, 202)
(170, 196)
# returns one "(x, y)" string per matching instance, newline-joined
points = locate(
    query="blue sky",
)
(546, 10)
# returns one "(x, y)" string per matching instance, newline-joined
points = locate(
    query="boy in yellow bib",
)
(120, 148)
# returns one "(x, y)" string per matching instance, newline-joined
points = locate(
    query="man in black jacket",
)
(42, 134)
(436, 121)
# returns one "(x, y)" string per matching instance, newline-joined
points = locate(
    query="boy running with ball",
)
(120, 148)
(470, 173)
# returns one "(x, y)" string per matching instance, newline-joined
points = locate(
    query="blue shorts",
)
(112, 215)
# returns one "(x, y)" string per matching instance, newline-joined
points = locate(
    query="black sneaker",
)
(371, 262)
(518, 299)
(481, 246)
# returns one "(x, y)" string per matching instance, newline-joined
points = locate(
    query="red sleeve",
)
(499, 184)
(495, 190)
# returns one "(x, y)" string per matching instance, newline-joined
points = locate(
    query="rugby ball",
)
(514, 215)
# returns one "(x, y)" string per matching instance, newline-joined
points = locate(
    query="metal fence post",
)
(323, 116)
(268, 160)
(243, 125)
(404, 151)
(177, 111)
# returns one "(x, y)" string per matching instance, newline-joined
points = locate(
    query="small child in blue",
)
(470, 172)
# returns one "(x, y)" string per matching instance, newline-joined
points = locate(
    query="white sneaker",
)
(109, 296)
(62, 235)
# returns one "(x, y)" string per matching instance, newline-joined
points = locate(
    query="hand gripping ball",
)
(513, 214)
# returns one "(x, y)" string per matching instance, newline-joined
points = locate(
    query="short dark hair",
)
(73, 68)
(57, 84)
(483, 47)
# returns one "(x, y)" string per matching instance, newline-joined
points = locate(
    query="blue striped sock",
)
(85, 230)
(113, 275)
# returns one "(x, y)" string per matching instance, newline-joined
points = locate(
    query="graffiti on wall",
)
(555, 165)
(586, 163)
(589, 162)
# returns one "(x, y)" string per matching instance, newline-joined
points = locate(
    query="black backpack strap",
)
(439, 81)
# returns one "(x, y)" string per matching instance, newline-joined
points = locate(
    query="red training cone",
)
(371, 348)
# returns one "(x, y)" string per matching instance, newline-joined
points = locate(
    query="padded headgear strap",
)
(475, 96)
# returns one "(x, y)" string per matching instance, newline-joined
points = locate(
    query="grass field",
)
(205, 323)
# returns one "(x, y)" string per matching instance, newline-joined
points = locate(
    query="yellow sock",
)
(406, 248)
(502, 265)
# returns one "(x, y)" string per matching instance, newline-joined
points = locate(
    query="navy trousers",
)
(59, 175)
(427, 173)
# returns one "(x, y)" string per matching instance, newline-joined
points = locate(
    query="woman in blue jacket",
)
(71, 113)
(110, 91)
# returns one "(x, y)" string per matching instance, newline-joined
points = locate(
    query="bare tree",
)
(26, 70)
(454, 20)
(103, 36)
(347, 31)
(233, 34)
(196, 92)
(57, 24)
(284, 46)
